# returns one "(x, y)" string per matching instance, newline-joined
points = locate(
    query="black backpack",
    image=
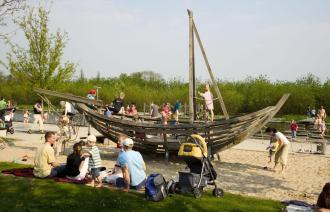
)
(155, 188)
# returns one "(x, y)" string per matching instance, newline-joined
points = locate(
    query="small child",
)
(322, 127)
(272, 149)
(26, 117)
(294, 128)
(95, 162)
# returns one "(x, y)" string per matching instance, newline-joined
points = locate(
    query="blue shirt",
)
(134, 161)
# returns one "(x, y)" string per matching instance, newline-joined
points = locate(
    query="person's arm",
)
(126, 177)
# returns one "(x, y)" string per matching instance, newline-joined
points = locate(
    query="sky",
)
(280, 39)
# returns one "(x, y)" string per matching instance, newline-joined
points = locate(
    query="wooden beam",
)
(214, 82)
(192, 112)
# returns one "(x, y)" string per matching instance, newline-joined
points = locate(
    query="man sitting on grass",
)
(133, 168)
(44, 160)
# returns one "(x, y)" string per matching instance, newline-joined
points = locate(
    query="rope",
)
(203, 98)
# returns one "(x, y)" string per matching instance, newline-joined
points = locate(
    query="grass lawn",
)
(30, 194)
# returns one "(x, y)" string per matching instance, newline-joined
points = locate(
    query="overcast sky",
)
(282, 39)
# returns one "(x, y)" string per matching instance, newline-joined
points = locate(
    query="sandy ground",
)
(240, 170)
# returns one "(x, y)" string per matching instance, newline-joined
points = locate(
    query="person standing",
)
(154, 110)
(294, 128)
(322, 113)
(38, 116)
(208, 98)
(281, 155)
(45, 164)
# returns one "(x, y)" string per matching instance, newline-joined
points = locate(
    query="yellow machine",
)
(194, 147)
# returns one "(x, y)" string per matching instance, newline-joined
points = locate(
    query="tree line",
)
(243, 96)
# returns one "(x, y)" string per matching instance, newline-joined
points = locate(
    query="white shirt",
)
(69, 108)
(280, 136)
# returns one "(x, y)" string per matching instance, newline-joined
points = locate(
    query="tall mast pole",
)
(192, 90)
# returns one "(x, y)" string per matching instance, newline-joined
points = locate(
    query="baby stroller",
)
(201, 174)
(6, 116)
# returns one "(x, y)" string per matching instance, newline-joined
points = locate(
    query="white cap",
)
(91, 138)
(128, 142)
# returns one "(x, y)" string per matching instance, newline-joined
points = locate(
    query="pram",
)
(194, 153)
(6, 117)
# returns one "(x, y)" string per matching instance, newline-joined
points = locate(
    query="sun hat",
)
(128, 142)
(91, 138)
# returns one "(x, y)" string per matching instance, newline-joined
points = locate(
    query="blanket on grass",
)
(28, 172)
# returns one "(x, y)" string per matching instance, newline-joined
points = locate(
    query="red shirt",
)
(294, 126)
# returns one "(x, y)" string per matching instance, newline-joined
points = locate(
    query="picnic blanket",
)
(28, 172)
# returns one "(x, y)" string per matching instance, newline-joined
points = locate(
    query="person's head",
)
(121, 139)
(128, 144)
(77, 148)
(326, 192)
(133, 106)
(122, 95)
(293, 121)
(91, 140)
(82, 143)
(207, 87)
(50, 137)
(271, 131)
(62, 103)
(321, 106)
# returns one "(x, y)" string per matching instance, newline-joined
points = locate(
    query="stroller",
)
(194, 153)
(6, 119)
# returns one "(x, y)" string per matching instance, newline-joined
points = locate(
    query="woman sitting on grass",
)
(76, 164)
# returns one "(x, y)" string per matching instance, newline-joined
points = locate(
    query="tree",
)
(40, 64)
(8, 8)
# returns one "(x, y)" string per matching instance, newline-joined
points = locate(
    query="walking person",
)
(294, 128)
(38, 116)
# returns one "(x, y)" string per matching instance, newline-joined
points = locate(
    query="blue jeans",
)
(56, 171)
(294, 134)
(120, 183)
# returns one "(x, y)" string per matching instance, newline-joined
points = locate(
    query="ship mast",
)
(192, 86)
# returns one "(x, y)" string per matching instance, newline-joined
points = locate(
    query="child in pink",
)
(208, 98)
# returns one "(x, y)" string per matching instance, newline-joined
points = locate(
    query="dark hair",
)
(77, 148)
(82, 143)
(48, 135)
(321, 202)
(270, 129)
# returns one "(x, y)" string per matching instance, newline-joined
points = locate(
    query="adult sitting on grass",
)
(76, 164)
(133, 168)
(44, 160)
(323, 202)
(281, 155)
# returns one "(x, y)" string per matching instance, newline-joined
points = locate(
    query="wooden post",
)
(167, 154)
(192, 112)
(214, 82)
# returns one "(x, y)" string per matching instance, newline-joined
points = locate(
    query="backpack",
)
(155, 188)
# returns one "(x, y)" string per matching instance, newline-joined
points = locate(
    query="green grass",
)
(26, 194)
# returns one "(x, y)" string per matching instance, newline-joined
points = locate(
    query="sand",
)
(241, 169)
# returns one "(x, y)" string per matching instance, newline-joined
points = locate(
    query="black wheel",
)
(172, 188)
(218, 192)
(11, 130)
(197, 193)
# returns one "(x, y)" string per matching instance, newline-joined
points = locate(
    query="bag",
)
(155, 188)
